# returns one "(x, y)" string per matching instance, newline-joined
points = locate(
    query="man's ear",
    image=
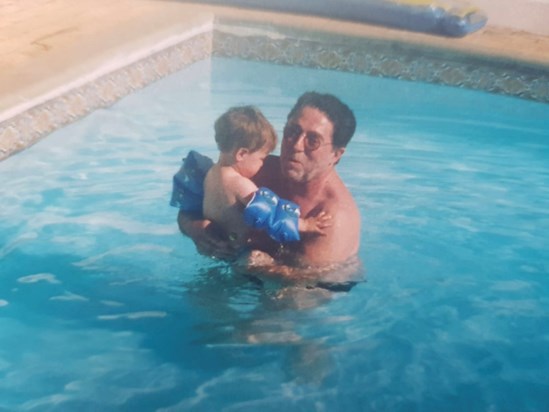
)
(241, 153)
(338, 152)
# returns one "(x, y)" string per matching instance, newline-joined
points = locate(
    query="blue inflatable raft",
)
(452, 18)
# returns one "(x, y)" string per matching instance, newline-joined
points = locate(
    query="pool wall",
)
(274, 43)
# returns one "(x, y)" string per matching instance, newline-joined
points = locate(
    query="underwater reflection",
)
(239, 312)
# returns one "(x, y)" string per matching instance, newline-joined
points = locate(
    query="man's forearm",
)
(263, 266)
(191, 224)
(207, 237)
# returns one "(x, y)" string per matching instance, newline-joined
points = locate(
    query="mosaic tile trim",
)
(386, 58)
(30, 126)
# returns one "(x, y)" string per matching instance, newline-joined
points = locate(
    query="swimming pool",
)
(105, 306)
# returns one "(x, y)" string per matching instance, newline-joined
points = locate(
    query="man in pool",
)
(317, 131)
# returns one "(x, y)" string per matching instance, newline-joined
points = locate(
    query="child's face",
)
(249, 163)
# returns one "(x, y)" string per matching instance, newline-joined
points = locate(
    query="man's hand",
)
(262, 265)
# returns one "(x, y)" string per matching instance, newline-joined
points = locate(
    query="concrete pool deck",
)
(47, 45)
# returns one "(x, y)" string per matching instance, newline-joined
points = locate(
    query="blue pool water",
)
(105, 306)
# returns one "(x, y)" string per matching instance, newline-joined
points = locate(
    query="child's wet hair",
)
(244, 127)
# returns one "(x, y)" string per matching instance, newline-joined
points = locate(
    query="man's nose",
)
(298, 143)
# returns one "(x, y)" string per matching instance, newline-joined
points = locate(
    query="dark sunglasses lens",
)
(312, 142)
(292, 132)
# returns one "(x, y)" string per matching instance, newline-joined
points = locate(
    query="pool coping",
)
(281, 39)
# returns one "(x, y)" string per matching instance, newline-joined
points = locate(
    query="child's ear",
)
(241, 153)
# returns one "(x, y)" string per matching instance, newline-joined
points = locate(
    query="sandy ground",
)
(47, 43)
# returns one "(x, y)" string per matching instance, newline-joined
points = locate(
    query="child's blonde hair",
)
(244, 127)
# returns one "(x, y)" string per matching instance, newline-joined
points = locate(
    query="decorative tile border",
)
(279, 45)
(385, 58)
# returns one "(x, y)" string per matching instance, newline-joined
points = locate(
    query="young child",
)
(245, 138)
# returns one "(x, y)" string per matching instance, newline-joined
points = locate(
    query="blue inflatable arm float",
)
(454, 18)
(279, 217)
(188, 183)
(285, 223)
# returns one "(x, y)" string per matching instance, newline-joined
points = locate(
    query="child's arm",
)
(245, 191)
(315, 224)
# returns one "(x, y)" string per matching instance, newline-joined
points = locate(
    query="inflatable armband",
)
(279, 217)
(260, 209)
(284, 226)
(188, 183)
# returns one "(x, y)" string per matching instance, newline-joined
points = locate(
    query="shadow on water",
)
(201, 324)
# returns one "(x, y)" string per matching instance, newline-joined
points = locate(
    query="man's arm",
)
(208, 239)
(264, 267)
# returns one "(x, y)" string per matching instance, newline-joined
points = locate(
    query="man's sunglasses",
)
(312, 141)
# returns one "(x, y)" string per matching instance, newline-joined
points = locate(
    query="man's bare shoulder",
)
(339, 196)
(346, 213)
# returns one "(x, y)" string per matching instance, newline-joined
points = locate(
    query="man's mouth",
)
(292, 160)
(293, 165)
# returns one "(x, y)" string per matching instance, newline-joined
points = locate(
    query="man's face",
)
(307, 152)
